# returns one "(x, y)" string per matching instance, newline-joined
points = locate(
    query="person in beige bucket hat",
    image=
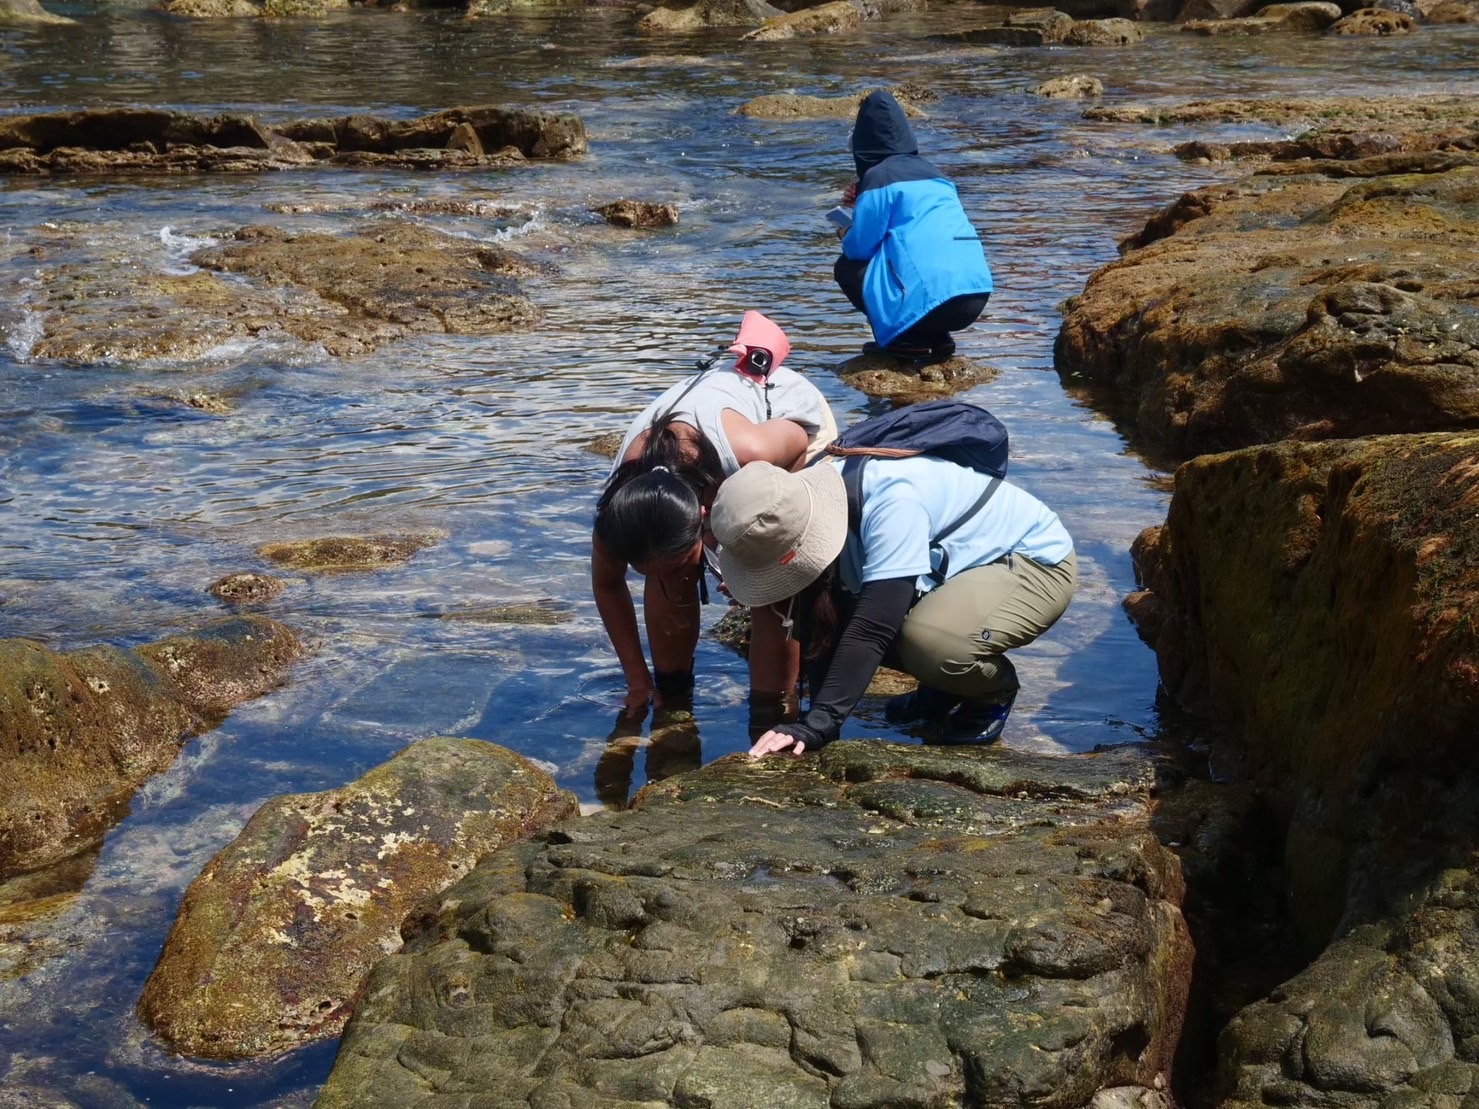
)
(941, 575)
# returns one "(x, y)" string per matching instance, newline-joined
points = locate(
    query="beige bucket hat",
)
(777, 530)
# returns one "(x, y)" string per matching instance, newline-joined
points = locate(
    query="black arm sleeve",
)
(875, 623)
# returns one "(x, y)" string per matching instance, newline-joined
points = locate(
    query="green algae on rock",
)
(348, 553)
(879, 925)
(902, 384)
(1320, 599)
(80, 731)
(274, 938)
(1305, 307)
(153, 140)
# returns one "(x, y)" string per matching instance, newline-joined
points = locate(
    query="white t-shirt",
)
(908, 501)
(791, 397)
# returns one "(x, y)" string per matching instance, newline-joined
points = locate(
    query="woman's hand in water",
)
(636, 701)
(775, 743)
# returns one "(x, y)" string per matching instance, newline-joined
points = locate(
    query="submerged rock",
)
(877, 925)
(606, 444)
(347, 553)
(1076, 87)
(413, 278)
(80, 731)
(1275, 307)
(348, 293)
(1358, 111)
(545, 611)
(638, 213)
(275, 937)
(151, 140)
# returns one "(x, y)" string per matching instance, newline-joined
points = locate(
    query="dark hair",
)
(647, 512)
(816, 606)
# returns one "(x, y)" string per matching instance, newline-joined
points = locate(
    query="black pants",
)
(956, 314)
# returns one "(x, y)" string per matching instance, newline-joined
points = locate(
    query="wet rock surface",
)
(879, 925)
(708, 13)
(1080, 86)
(1286, 576)
(645, 214)
(347, 553)
(81, 730)
(794, 106)
(349, 293)
(247, 588)
(902, 382)
(1050, 27)
(275, 937)
(20, 12)
(829, 19)
(1375, 21)
(150, 140)
(1306, 306)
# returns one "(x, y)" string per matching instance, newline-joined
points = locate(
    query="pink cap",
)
(758, 331)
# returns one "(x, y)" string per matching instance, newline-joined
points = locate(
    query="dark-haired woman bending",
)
(652, 514)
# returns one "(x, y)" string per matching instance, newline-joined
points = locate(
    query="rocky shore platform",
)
(876, 925)
(155, 141)
(1313, 587)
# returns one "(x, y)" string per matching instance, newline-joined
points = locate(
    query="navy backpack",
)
(954, 430)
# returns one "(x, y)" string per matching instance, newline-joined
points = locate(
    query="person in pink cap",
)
(651, 516)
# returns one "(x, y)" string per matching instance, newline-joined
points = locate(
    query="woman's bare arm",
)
(619, 615)
(779, 442)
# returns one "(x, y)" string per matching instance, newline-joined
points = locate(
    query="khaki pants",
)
(953, 640)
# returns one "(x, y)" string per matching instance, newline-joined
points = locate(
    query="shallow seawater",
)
(118, 505)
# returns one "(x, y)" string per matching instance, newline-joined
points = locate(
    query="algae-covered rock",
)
(1103, 32)
(348, 293)
(274, 938)
(828, 19)
(638, 213)
(246, 588)
(148, 140)
(902, 383)
(1375, 21)
(877, 925)
(348, 553)
(707, 13)
(1318, 600)
(28, 11)
(80, 731)
(788, 105)
(411, 278)
(1079, 86)
(1278, 307)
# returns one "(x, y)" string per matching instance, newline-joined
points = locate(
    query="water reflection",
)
(118, 505)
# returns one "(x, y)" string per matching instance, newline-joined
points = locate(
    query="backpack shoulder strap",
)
(941, 572)
(852, 482)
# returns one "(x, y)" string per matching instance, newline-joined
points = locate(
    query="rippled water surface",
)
(118, 505)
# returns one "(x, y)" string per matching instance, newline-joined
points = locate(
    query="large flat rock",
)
(877, 925)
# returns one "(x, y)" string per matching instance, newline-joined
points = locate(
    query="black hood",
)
(882, 130)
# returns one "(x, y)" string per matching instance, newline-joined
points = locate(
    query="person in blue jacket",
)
(911, 261)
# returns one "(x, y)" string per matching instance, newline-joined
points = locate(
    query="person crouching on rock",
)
(911, 261)
(651, 515)
(944, 611)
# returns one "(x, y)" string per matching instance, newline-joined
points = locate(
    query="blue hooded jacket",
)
(908, 224)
